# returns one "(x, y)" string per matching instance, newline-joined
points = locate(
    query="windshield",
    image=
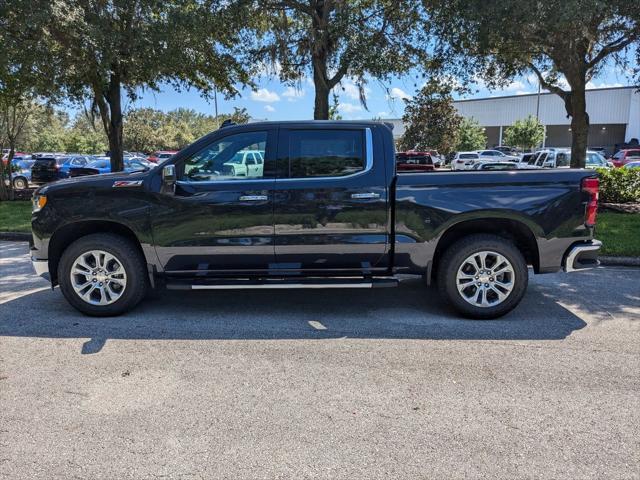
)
(237, 158)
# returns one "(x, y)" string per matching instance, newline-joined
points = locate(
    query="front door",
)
(219, 219)
(330, 202)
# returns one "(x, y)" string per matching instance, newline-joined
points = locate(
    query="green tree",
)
(85, 136)
(105, 47)
(334, 109)
(555, 39)
(471, 136)
(331, 40)
(431, 120)
(527, 133)
(25, 75)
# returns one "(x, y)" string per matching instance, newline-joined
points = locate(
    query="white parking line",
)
(317, 325)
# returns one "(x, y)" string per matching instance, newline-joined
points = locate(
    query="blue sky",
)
(275, 101)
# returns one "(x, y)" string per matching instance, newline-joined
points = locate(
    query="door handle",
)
(361, 196)
(253, 198)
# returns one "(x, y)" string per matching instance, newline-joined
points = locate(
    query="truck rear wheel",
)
(483, 276)
(102, 275)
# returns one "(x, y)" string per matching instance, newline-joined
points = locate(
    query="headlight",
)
(39, 201)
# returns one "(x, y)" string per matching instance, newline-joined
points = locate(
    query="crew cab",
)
(327, 211)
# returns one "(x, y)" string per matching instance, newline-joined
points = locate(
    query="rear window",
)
(325, 153)
(414, 159)
(468, 155)
(633, 154)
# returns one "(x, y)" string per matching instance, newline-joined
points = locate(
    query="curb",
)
(15, 236)
(620, 261)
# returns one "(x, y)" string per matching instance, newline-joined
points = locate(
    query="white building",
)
(614, 115)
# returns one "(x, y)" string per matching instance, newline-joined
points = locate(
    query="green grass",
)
(620, 232)
(15, 216)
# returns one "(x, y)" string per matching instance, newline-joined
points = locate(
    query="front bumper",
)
(41, 267)
(582, 256)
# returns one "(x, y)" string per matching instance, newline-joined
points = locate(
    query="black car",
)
(49, 169)
(326, 209)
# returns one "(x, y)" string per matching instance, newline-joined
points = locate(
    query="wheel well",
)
(68, 234)
(512, 230)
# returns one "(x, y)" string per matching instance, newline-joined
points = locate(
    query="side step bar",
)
(285, 283)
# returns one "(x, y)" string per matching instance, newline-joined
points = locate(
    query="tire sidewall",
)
(459, 252)
(122, 250)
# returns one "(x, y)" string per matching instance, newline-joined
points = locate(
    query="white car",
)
(496, 156)
(464, 160)
(245, 163)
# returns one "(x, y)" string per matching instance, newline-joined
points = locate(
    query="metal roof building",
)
(614, 115)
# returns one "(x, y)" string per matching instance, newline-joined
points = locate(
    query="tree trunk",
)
(114, 97)
(110, 107)
(321, 107)
(579, 126)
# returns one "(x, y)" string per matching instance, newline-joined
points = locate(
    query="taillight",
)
(591, 186)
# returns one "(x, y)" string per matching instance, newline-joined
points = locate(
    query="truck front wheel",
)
(483, 276)
(102, 275)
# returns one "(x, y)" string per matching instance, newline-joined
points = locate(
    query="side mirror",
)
(169, 175)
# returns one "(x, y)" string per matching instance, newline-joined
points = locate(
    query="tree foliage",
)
(148, 130)
(527, 133)
(556, 40)
(471, 136)
(105, 47)
(332, 40)
(431, 120)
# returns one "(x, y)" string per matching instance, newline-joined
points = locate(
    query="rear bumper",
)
(582, 256)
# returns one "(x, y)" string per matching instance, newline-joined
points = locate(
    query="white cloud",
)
(522, 92)
(269, 108)
(292, 94)
(349, 107)
(398, 93)
(382, 114)
(264, 95)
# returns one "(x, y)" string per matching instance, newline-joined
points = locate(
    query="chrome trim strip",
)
(577, 250)
(41, 267)
(282, 286)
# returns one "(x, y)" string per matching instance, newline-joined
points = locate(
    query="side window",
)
(487, 154)
(224, 159)
(325, 153)
(563, 160)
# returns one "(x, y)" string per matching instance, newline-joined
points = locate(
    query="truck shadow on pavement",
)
(408, 312)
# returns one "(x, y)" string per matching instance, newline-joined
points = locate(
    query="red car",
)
(622, 157)
(161, 155)
(414, 162)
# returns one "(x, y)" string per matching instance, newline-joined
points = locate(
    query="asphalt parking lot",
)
(321, 384)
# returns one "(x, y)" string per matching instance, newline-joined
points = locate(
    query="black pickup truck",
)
(309, 205)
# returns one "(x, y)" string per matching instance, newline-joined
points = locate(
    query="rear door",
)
(330, 201)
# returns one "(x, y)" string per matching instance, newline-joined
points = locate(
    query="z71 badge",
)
(127, 183)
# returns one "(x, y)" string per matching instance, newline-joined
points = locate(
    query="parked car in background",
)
(160, 156)
(414, 162)
(464, 160)
(623, 157)
(496, 156)
(21, 173)
(495, 166)
(507, 150)
(634, 164)
(47, 169)
(103, 165)
(245, 163)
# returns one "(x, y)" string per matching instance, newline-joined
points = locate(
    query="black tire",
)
(20, 183)
(132, 262)
(455, 256)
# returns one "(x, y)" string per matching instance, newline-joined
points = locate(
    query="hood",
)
(104, 180)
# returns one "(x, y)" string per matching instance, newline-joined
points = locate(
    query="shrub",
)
(619, 185)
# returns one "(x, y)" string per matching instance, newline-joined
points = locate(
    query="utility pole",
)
(215, 104)
(538, 105)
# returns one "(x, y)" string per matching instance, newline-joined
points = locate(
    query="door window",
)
(325, 153)
(224, 159)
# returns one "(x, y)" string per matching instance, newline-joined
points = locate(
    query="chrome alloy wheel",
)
(98, 277)
(485, 279)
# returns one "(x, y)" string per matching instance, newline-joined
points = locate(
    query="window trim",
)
(368, 156)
